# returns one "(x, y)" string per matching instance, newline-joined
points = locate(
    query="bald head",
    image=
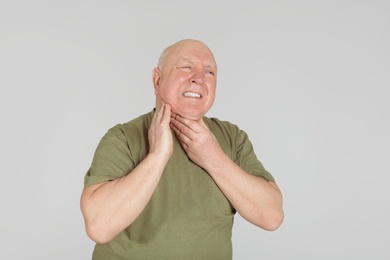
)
(179, 47)
(186, 79)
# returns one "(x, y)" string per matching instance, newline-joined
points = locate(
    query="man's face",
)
(187, 80)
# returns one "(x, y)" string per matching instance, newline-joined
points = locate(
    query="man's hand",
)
(160, 136)
(199, 143)
(255, 199)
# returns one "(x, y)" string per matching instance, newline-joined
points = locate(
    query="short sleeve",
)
(111, 159)
(236, 144)
(247, 159)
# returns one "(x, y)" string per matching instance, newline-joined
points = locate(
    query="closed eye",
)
(186, 68)
(210, 72)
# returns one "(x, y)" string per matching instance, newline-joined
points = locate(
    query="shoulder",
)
(127, 140)
(223, 127)
(228, 134)
(128, 132)
(135, 127)
(140, 123)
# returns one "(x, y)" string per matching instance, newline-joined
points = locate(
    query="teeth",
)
(191, 94)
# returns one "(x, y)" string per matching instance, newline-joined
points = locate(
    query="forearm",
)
(111, 207)
(254, 198)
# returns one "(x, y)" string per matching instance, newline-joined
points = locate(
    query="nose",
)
(198, 77)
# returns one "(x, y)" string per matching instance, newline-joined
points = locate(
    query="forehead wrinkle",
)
(183, 46)
(186, 60)
(209, 66)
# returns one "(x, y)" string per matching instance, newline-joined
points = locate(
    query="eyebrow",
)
(212, 66)
(185, 60)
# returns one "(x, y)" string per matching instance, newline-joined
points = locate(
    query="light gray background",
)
(308, 80)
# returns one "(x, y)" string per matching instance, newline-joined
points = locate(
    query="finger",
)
(183, 138)
(192, 125)
(182, 128)
(159, 112)
(166, 117)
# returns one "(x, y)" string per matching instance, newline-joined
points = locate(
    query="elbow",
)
(97, 234)
(97, 230)
(274, 221)
(270, 221)
(274, 216)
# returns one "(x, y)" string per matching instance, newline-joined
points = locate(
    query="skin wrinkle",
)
(257, 200)
(176, 78)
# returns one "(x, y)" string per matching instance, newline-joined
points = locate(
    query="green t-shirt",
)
(188, 217)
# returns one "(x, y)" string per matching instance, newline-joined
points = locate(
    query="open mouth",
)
(192, 94)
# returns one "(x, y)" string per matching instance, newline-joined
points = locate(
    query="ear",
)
(156, 79)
